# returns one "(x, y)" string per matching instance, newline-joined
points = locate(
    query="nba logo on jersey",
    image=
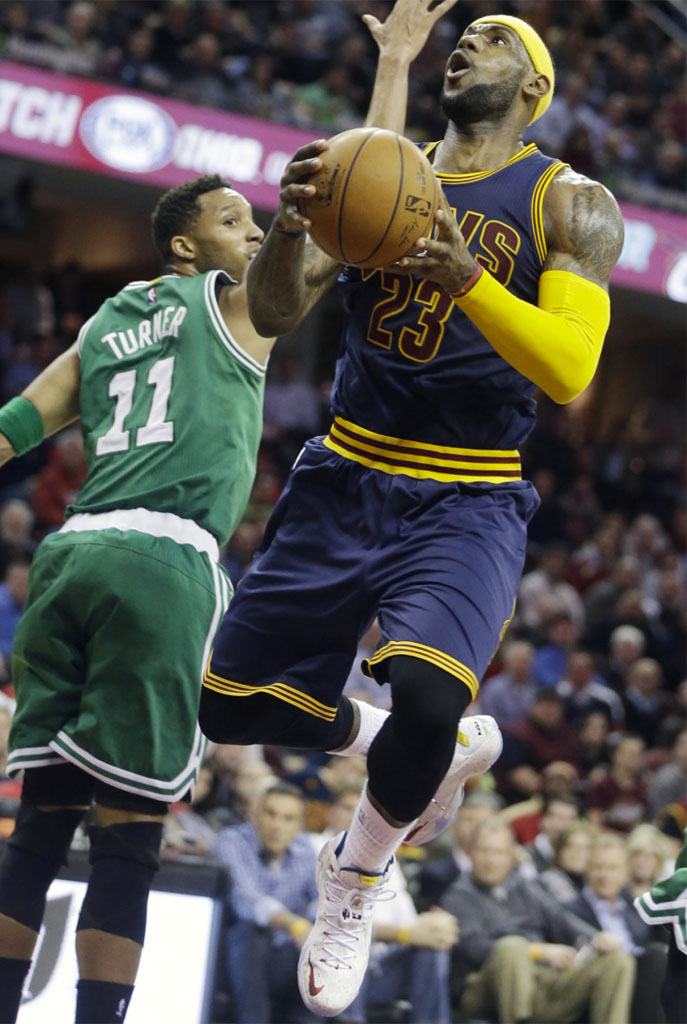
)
(152, 296)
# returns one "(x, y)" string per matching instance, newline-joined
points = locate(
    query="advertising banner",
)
(92, 126)
(96, 127)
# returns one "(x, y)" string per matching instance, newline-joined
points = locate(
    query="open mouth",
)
(458, 65)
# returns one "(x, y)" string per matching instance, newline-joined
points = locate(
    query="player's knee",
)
(261, 718)
(124, 858)
(35, 851)
(221, 718)
(427, 704)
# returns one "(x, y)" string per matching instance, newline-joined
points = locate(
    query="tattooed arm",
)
(557, 342)
(583, 226)
(289, 274)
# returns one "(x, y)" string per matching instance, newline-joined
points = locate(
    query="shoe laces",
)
(343, 918)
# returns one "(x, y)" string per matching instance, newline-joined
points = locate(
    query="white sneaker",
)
(334, 958)
(479, 745)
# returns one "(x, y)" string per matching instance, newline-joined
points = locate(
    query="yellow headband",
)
(536, 49)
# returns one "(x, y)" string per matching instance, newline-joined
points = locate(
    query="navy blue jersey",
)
(412, 365)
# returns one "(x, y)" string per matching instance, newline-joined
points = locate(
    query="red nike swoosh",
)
(312, 987)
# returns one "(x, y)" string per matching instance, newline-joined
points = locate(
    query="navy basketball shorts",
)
(438, 563)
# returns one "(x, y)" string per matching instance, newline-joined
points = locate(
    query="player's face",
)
(225, 235)
(483, 74)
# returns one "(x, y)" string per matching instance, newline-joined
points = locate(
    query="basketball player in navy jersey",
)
(412, 508)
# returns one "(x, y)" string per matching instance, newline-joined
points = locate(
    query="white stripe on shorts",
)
(156, 524)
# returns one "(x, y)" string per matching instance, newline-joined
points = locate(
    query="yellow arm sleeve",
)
(555, 344)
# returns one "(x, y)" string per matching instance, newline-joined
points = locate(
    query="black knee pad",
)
(35, 851)
(412, 751)
(262, 718)
(427, 705)
(125, 858)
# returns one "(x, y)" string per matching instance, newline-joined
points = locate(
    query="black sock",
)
(12, 974)
(101, 1002)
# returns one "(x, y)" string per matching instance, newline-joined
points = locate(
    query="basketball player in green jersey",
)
(168, 379)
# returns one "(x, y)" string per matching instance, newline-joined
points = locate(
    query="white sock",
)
(371, 721)
(371, 841)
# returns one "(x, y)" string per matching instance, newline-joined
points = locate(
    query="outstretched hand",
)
(407, 28)
(293, 187)
(444, 259)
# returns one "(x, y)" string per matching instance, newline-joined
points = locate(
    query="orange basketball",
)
(375, 196)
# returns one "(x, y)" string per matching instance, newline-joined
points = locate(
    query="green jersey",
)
(171, 405)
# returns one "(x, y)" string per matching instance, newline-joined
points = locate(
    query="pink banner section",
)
(654, 256)
(95, 127)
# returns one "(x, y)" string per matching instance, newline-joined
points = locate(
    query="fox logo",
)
(418, 205)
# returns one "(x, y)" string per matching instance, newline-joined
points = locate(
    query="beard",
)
(480, 102)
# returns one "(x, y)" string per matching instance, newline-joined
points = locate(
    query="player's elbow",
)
(268, 322)
(563, 391)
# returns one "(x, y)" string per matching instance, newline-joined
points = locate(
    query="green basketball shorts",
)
(109, 654)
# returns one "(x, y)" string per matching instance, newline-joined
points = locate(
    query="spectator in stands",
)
(135, 68)
(632, 609)
(517, 952)
(595, 751)
(669, 784)
(551, 659)
(601, 598)
(645, 702)
(584, 693)
(410, 952)
(625, 645)
(549, 580)
(565, 878)
(533, 743)
(10, 789)
(173, 33)
(260, 93)
(558, 779)
(325, 104)
(13, 591)
(204, 79)
(648, 858)
(78, 39)
(436, 876)
(547, 523)
(58, 484)
(507, 697)
(646, 540)
(558, 813)
(186, 833)
(605, 902)
(567, 112)
(222, 805)
(291, 403)
(16, 531)
(271, 904)
(618, 799)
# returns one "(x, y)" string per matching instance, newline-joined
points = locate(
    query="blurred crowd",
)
(620, 113)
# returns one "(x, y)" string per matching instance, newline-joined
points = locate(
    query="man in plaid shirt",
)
(272, 900)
